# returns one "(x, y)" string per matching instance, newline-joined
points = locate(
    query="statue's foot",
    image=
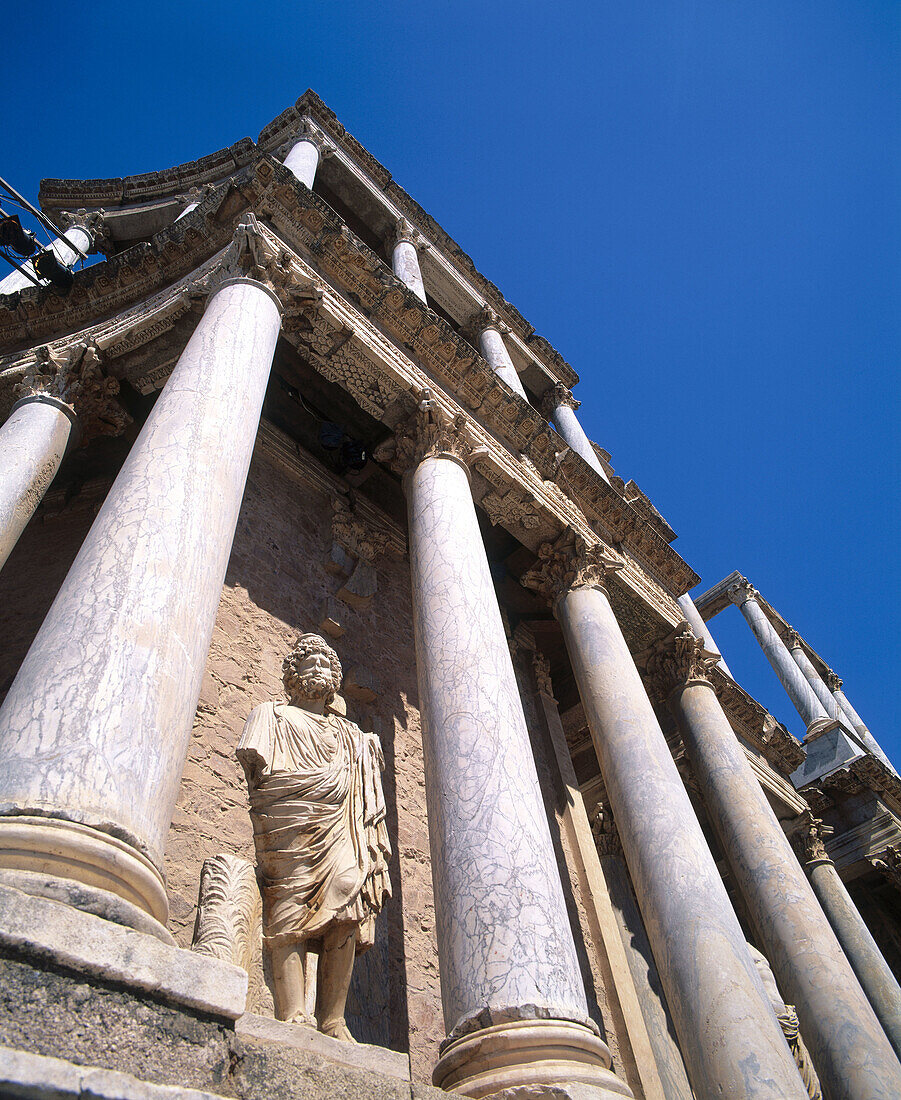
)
(302, 1018)
(337, 1029)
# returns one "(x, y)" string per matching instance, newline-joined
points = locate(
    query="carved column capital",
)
(792, 638)
(677, 660)
(307, 130)
(888, 863)
(604, 831)
(560, 569)
(431, 432)
(833, 681)
(75, 376)
(742, 591)
(808, 838)
(404, 231)
(484, 318)
(553, 398)
(357, 536)
(93, 222)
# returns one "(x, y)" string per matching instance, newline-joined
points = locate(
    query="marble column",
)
(813, 713)
(730, 1040)
(77, 235)
(33, 441)
(512, 994)
(406, 246)
(873, 972)
(702, 630)
(559, 405)
(845, 1038)
(96, 726)
(487, 330)
(307, 149)
(849, 714)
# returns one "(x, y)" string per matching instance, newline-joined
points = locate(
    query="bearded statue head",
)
(311, 671)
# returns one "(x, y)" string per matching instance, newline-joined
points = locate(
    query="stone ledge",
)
(389, 1063)
(36, 1077)
(80, 942)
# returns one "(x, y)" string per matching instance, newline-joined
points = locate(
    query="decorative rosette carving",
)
(560, 569)
(678, 659)
(553, 398)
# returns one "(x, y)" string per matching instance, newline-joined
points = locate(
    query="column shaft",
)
(863, 952)
(509, 972)
(494, 350)
(96, 725)
(33, 442)
(702, 630)
(567, 424)
(405, 261)
(819, 688)
(849, 714)
(729, 1036)
(67, 256)
(303, 160)
(848, 1046)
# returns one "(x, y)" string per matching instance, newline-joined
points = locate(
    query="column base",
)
(527, 1055)
(89, 869)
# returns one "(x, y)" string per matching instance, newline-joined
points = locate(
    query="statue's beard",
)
(312, 688)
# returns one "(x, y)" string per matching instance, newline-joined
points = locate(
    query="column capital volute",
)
(676, 661)
(741, 592)
(432, 431)
(833, 680)
(807, 835)
(557, 395)
(75, 376)
(565, 566)
(405, 231)
(483, 319)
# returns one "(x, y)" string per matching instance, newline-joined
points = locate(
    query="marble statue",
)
(322, 847)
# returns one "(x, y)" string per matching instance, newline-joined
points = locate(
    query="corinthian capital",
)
(307, 130)
(742, 591)
(76, 377)
(792, 639)
(481, 320)
(833, 681)
(431, 432)
(677, 660)
(404, 231)
(553, 398)
(92, 222)
(561, 569)
(808, 837)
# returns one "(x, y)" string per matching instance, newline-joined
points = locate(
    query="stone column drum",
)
(514, 1004)
(304, 155)
(486, 329)
(730, 1040)
(405, 258)
(33, 441)
(560, 406)
(95, 728)
(845, 1039)
(874, 973)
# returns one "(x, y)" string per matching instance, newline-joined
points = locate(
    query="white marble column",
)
(514, 1004)
(813, 713)
(77, 235)
(729, 1037)
(874, 973)
(559, 406)
(845, 1038)
(850, 715)
(96, 726)
(306, 151)
(405, 251)
(702, 630)
(487, 330)
(33, 441)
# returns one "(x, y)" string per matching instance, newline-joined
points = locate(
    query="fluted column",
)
(78, 235)
(834, 684)
(307, 148)
(559, 405)
(877, 979)
(513, 1000)
(486, 330)
(846, 1040)
(406, 246)
(702, 630)
(729, 1037)
(63, 399)
(96, 726)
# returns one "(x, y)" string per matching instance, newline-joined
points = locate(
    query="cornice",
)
(756, 724)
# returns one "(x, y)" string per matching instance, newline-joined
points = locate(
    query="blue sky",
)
(696, 201)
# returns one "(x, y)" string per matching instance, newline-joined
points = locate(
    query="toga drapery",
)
(318, 815)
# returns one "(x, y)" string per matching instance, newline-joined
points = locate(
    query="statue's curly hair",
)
(303, 647)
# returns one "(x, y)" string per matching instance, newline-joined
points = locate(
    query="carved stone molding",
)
(676, 660)
(356, 534)
(604, 831)
(808, 837)
(510, 510)
(563, 568)
(553, 398)
(833, 681)
(888, 863)
(228, 910)
(75, 376)
(482, 319)
(541, 666)
(742, 591)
